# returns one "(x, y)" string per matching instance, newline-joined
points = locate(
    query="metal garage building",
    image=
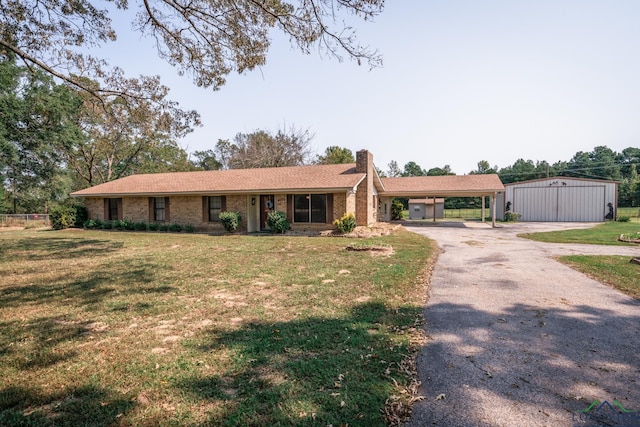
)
(560, 199)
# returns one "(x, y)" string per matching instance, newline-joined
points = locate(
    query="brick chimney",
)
(365, 209)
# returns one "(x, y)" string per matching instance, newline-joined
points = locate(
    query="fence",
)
(23, 220)
(467, 213)
(632, 213)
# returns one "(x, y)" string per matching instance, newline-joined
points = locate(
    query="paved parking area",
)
(515, 338)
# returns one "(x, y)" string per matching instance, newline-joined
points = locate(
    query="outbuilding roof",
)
(282, 179)
(443, 186)
(425, 201)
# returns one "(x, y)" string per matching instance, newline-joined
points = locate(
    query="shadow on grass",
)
(315, 371)
(535, 364)
(82, 406)
(42, 342)
(52, 248)
(92, 288)
(85, 286)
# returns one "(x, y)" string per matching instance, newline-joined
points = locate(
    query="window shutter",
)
(330, 214)
(290, 207)
(119, 207)
(152, 207)
(167, 211)
(205, 209)
(106, 209)
(223, 203)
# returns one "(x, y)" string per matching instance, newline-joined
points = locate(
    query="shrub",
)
(277, 222)
(511, 216)
(163, 227)
(624, 219)
(107, 225)
(176, 228)
(396, 210)
(81, 215)
(230, 221)
(62, 217)
(153, 226)
(92, 223)
(346, 224)
(140, 226)
(189, 228)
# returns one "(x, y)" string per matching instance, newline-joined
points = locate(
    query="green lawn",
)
(615, 271)
(602, 234)
(632, 213)
(122, 328)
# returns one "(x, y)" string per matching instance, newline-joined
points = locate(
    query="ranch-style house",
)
(311, 196)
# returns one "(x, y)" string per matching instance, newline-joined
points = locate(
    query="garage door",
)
(563, 204)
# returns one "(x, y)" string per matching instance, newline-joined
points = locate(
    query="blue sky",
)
(462, 81)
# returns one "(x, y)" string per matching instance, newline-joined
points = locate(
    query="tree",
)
(413, 169)
(334, 155)
(484, 168)
(627, 158)
(123, 137)
(521, 170)
(393, 170)
(598, 164)
(37, 121)
(627, 190)
(446, 170)
(206, 160)
(206, 39)
(261, 149)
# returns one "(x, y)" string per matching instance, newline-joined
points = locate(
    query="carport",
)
(481, 185)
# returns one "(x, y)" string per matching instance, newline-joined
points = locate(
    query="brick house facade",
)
(312, 197)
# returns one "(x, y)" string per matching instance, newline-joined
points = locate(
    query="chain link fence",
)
(24, 220)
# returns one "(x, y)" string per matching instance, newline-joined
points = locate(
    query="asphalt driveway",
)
(515, 338)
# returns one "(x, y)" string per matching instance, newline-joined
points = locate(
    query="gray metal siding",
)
(582, 203)
(563, 204)
(535, 204)
(560, 199)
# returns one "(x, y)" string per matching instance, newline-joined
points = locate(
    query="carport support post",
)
(493, 209)
(483, 215)
(434, 208)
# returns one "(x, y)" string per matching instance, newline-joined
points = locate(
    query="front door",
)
(267, 204)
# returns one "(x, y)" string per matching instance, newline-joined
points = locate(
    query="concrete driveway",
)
(515, 338)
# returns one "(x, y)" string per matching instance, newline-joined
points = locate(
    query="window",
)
(215, 206)
(159, 209)
(113, 209)
(310, 208)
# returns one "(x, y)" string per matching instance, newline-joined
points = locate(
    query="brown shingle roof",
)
(447, 185)
(295, 178)
(425, 201)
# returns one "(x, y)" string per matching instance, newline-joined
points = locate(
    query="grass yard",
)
(121, 328)
(615, 271)
(606, 233)
(632, 213)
